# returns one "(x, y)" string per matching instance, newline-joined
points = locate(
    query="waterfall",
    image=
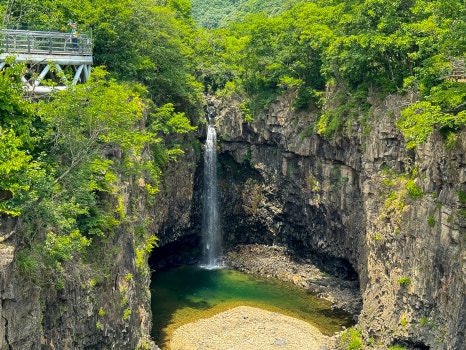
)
(211, 230)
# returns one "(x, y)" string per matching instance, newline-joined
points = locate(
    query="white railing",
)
(36, 42)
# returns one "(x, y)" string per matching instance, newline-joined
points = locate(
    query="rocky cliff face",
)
(361, 201)
(97, 301)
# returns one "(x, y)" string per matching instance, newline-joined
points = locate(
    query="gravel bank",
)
(248, 328)
(276, 262)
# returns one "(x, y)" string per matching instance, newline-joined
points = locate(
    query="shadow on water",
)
(171, 291)
(186, 294)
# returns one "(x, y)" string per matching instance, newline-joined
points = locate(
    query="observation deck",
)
(52, 60)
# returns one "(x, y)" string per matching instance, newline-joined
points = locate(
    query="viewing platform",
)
(53, 61)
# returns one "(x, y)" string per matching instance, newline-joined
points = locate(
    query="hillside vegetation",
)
(357, 46)
(65, 159)
(221, 13)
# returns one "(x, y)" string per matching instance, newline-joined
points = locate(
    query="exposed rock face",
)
(344, 204)
(395, 215)
(100, 303)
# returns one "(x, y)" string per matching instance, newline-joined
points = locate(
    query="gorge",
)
(348, 206)
(345, 205)
(333, 132)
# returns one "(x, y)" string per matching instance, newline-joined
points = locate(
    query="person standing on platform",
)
(74, 35)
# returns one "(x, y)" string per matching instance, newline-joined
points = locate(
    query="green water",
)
(185, 294)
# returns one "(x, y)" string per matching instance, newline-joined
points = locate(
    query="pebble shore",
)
(249, 328)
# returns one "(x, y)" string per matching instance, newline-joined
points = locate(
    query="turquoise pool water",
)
(185, 294)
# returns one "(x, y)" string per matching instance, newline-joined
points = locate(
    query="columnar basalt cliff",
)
(397, 216)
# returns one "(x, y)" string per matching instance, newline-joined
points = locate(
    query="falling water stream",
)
(211, 230)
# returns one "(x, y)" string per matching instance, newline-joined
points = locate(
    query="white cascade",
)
(211, 229)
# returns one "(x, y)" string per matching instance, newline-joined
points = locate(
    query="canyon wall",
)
(98, 300)
(397, 216)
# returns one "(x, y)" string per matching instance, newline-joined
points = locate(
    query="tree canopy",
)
(66, 157)
(359, 46)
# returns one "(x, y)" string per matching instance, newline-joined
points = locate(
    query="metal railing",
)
(458, 69)
(35, 42)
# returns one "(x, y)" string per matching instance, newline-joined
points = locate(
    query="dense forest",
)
(154, 60)
(357, 46)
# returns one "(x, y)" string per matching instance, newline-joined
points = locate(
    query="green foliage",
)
(66, 186)
(181, 7)
(395, 201)
(308, 97)
(404, 281)
(151, 243)
(424, 321)
(63, 247)
(126, 314)
(60, 285)
(357, 47)
(18, 168)
(27, 263)
(431, 221)
(329, 123)
(420, 119)
(14, 164)
(57, 161)
(396, 347)
(271, 55)
(247, 115)
(351, 339)
(101, 312)
(144, 346)
(166, 121)
(79, 126)
(143, 252)
(136, 40)
(221, 13)
(413, 190)
(462, 196)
